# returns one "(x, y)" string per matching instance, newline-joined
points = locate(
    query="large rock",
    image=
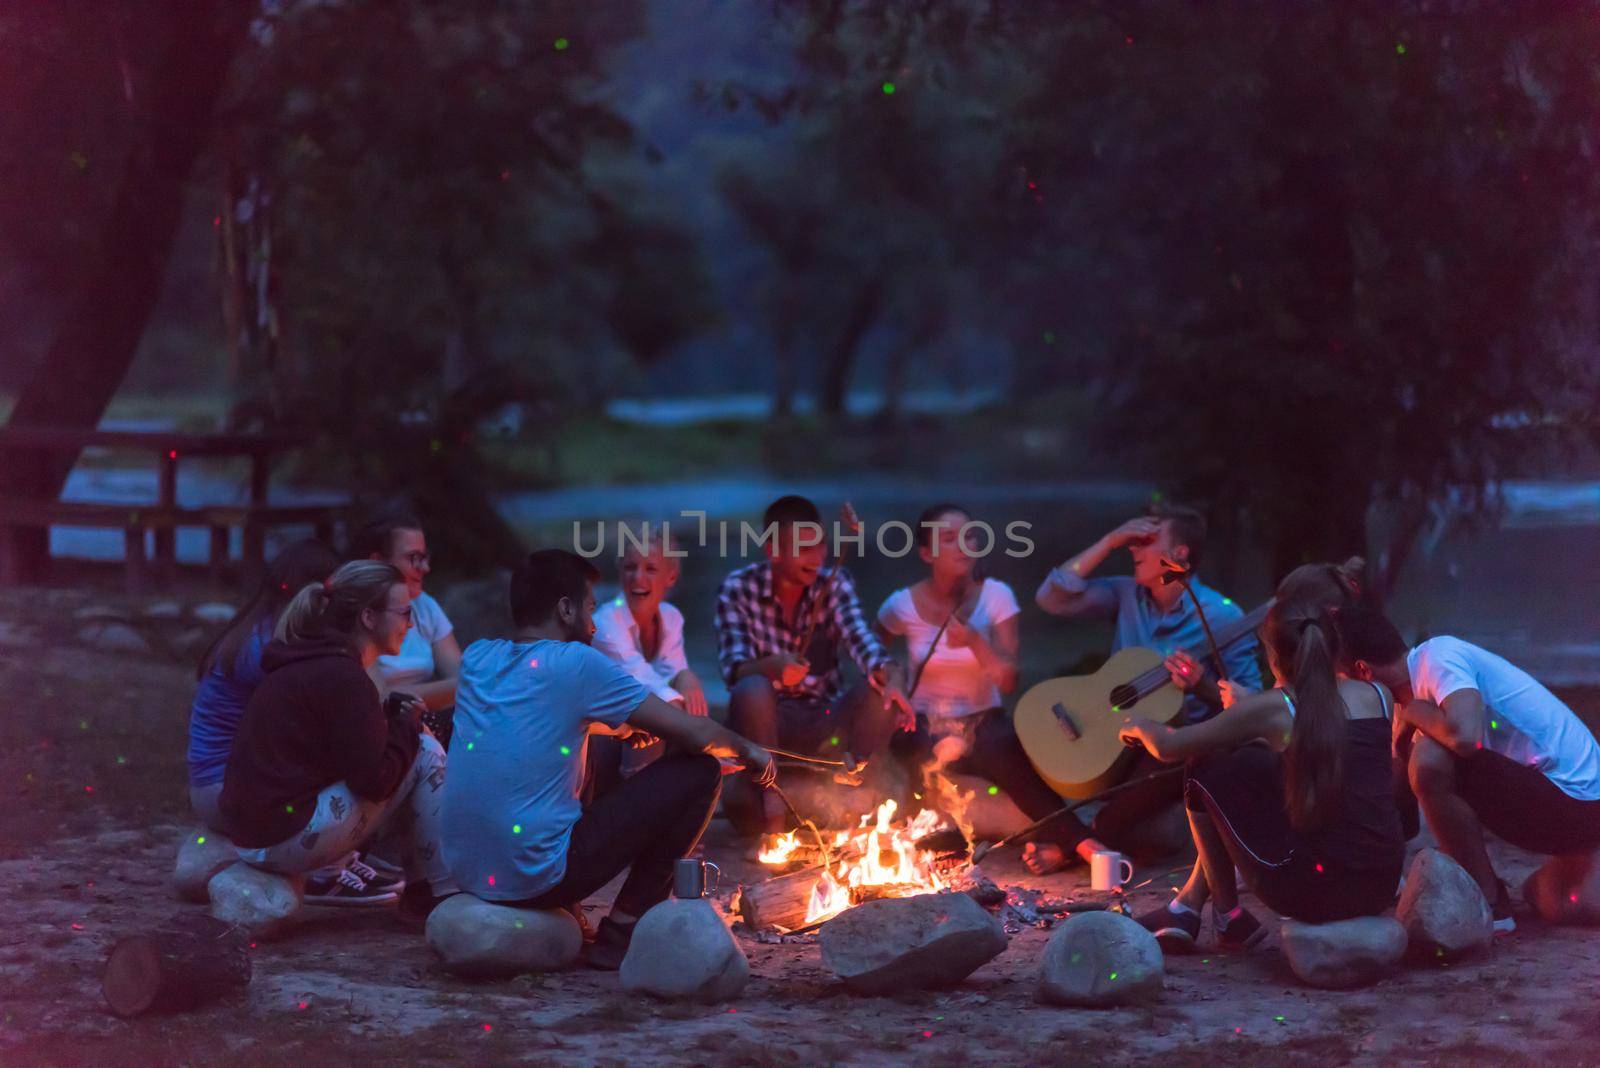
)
(1443, 911)
(1344, 954)
(1097, 959)
(202, 854)
(681, 949)
(262, 902)
(927, 941)
(473, 937)
(1566, 890)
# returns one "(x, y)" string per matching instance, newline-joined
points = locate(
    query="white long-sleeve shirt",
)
(617, 635)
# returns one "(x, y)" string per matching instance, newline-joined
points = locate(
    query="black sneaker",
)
(1504, 922)
(1242, 932)
(610, 945)
(347, 888)
(1176, 931)
(417, 903)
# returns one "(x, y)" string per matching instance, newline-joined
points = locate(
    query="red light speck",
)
(491, 880)
(927, 1034)
(77, 927)
(301, 1005)
(1128, 39)
(172, 454)
(1319, 869)
(487, 1027)
(88, 789)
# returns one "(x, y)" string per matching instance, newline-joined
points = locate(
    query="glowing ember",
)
(888, 859)
(776, 849)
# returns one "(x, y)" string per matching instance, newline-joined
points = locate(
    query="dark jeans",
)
(858, 722)
(644, 823)
(996, 754)
(1519, 804)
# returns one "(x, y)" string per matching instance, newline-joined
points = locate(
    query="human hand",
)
(958, 634)
(1232, 692)
(693, 694)
(1134, 531)
(1138, 730)
(1185, 670)
(789, 670)
(758, 762)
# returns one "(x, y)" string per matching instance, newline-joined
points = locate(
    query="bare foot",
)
(1044, 858)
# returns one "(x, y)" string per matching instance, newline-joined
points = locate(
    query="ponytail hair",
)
(332, 608)
(1303, 642)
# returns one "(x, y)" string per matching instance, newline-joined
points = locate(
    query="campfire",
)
(880, 858)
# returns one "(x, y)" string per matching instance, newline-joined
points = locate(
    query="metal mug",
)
(689, 878)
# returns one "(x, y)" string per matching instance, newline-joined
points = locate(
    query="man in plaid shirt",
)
(781, 694)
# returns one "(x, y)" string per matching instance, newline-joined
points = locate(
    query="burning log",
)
(779, 902)
(175, 967)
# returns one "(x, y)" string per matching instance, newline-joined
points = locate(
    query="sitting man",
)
(515, 832)
(1157, 615)
(1488, 747)
(784, 691)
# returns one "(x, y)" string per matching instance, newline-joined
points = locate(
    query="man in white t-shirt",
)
(514, 830)
(1489, 747)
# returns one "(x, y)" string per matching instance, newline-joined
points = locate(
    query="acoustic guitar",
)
(1068, 725)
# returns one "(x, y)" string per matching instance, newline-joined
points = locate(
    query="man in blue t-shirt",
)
(1149, 612)
(514, 829)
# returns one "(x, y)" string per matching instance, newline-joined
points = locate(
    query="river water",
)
(1525, 586)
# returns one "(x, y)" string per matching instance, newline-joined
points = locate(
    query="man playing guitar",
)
(1159, 615)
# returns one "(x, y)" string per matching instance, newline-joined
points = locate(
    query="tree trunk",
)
(193, 45)
(841, 361)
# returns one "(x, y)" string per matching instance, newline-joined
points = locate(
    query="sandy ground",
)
(87, 843)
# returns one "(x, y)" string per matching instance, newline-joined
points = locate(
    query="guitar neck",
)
(1155, 678)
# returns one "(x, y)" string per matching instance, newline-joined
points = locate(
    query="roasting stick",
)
(984, 849)
(827, 860)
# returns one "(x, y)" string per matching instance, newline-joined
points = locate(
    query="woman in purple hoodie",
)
(319, 766)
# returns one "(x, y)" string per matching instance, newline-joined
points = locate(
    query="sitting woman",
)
(1291, 786)
(320, 766)
(643, 634)
(430, 659)
(230, 670)
(961, 636)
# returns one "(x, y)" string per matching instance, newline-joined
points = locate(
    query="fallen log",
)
(780, 901)
(175, 968)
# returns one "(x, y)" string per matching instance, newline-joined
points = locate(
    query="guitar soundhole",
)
(1124, 696)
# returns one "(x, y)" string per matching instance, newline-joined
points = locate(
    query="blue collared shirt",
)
(1138, 620)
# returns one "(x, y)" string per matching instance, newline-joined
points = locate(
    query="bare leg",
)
(1454, 824)
(1195, 892)
(1215, 862)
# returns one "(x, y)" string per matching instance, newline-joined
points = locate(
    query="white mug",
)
(1109, 870)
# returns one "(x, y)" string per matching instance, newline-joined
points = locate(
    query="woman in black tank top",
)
(1291, 786)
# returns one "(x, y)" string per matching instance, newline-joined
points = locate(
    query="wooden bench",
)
(163, 516)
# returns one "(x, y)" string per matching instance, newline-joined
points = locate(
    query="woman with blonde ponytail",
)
(320, 765)
(1290, 786)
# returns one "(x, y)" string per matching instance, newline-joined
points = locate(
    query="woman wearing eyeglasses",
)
(320, 766)
(430, 659)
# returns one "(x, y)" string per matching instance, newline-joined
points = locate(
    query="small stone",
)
(922, 942)
(1443, 911)
(474, 937)
(96, 611)
(1098, 959)
(213, 612)
(1566, 890)
(682, 950)
(163, 610)
(201, 855)
(264, 903)
(1343, 954)
(114, 637)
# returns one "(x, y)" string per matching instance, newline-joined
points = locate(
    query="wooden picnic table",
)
(163, 515)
